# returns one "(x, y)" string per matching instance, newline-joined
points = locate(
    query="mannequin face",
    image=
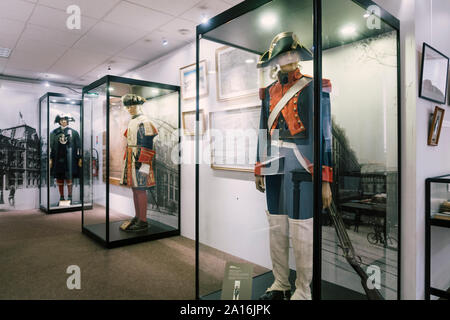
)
(63, 122)
(289, 67)
(133, 110)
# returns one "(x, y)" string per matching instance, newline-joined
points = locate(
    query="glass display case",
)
(60, 150)
(131, 169)
(437, 234)
(298, 174)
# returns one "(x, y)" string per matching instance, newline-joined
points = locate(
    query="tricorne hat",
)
(281, 44)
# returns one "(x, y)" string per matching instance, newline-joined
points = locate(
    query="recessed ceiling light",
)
(155, 91)
(111, 89)
(46, 84)
(367, 14)
(268, 20)
(249, 61)
(72, 102)
(54, 101)
(67, 99)
(349, 30)
(5, 52)
(183, 32)
(165, 42)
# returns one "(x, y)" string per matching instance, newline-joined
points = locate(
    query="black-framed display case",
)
(60, 150)
(119, 142)
(349, 118)
(437, 224)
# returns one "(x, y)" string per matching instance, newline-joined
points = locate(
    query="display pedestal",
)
(330, 291)
(118, 238)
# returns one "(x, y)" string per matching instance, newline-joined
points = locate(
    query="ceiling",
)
(116, 34)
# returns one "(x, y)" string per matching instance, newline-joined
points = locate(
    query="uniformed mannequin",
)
(138, 160)
(291, 136)
(65, 154)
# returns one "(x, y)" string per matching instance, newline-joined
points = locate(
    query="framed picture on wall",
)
(434, 75)
(189, 122)
(236, 72)
(234, 138)
(188, 81)
(436, 126)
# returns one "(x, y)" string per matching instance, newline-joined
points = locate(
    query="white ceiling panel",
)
(3, 62)
(233, 2)
(89, 8)
(7, 41)
(141, 50)
(40, 47)
(172, 7)
(118, 66)
(21, 73)
(209, 8)
(16, 9)
(151, 46)
(175, 27)
(137, 17)
(11, 27)
(65, 38)
(56, 19)
(39, 62)
(108, 38)
(76, 63)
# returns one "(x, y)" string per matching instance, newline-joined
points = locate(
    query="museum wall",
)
(432, 27)
(421, 21)
(19, 108)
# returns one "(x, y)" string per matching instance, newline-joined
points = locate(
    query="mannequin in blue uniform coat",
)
(288, 147)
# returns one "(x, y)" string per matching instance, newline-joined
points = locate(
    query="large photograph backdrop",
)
(19, 149)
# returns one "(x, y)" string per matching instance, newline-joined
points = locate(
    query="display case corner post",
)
(48, 209)
(317, 185)
(82, 157)
(108, 84)
(197, 168)
(399, 162)
(427, 239)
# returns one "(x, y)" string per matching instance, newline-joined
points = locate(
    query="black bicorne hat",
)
(66, 117)
(282, 43)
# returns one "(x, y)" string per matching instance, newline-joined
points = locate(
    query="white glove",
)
(145, 169)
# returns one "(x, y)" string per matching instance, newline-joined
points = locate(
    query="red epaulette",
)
(326, 84)
(262, 93)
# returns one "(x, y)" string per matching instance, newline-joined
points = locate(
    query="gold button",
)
(296, 115)
(298, 121)
(295, 109)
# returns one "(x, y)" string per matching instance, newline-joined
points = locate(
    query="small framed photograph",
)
(436, 126)
(434, 75)
(188, 81)
(189, 122)
(237, 75)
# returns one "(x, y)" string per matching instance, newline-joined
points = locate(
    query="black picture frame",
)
(425, 69)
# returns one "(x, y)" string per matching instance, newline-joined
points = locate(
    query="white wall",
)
(421, 21)
(432, 28)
